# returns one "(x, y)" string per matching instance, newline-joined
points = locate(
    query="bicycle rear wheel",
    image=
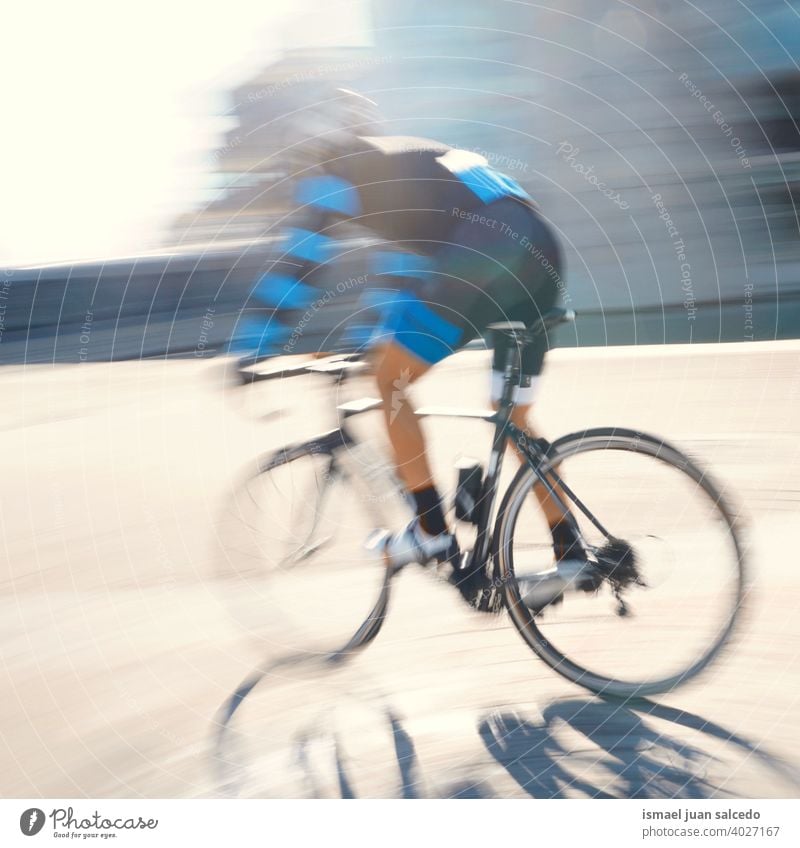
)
(687, 551)
(295, 570)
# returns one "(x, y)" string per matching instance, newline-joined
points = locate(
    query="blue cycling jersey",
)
(411, 192)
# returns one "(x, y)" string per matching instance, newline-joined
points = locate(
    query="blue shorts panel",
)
(417, 327)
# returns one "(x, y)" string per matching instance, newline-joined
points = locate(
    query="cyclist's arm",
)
(282, 296)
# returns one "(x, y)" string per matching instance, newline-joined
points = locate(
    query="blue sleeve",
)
(283, 293)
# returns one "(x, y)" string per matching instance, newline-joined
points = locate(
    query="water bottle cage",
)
(469, 493)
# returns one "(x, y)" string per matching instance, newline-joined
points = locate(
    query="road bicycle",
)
(653, 604)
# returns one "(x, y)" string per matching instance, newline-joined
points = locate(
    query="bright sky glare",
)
(110, 110)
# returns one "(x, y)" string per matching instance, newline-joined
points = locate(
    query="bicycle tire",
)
(524, 621)
(242, 511)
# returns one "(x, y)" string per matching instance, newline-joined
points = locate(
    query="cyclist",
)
(469, 247)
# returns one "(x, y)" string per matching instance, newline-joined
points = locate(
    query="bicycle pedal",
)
(376, 544)
(377, 540)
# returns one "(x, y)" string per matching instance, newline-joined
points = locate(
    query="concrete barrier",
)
(188, 304)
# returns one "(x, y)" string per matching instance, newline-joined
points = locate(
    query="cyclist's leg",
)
(565, 543)
(416, 333)
(443, 305)
(395, 369)
(521, 416)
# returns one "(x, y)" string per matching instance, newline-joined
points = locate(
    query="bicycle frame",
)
(505, 431)
(535, 451)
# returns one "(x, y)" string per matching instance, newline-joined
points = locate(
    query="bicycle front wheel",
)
(295, 570)
(686, 548)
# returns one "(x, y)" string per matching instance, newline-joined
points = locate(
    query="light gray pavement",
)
(120, 634)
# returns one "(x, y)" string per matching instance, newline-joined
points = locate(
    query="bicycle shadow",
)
(405, 754)
(232, 764)
(615, 752)
(622, 756)
(577, 747)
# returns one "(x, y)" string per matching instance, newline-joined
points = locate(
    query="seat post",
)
(505, 341)
(502, 334)
(510, 375)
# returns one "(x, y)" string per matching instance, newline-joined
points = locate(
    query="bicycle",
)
(606, 627)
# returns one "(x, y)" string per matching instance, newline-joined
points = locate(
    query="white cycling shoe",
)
(547, 588)
(413, 544)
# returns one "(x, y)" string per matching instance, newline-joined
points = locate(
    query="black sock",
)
(565, 542)
(429, 510)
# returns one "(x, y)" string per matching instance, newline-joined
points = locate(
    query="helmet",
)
(330, 122)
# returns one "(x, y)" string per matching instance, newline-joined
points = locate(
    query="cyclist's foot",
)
(537, 592)
(542, 591)
(546, 589)
(413, 544)
(566, 544)
(573, 571)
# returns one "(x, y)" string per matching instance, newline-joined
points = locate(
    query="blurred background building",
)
(251, 190)
(661, 140)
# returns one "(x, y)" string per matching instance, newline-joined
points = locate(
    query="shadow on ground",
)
(622, 746)
(575, 748)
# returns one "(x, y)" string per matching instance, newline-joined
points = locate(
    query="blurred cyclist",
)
(468, 248)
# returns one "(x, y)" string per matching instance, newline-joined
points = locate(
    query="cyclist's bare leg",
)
(520, 416)
(395, 369)
(563, 537)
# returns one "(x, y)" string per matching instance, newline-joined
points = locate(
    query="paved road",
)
(122, 630)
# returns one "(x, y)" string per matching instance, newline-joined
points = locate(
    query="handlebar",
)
(336, 365)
